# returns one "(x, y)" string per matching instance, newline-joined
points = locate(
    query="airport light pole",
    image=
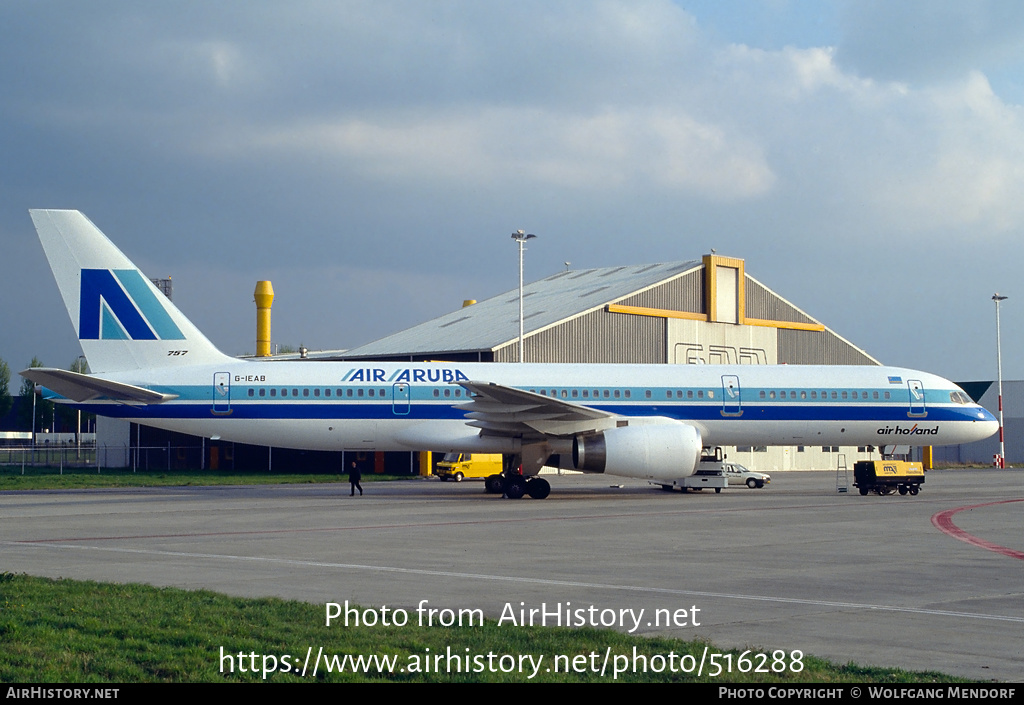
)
(999, 371)
(521, 237)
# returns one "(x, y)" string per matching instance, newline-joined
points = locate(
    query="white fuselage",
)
(412, 406)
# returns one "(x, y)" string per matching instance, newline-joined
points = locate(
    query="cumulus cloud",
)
(613, 149)
(340, 119)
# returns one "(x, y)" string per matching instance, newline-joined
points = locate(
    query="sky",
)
(371, 159)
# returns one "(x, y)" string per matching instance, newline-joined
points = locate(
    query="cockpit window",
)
(958, 397)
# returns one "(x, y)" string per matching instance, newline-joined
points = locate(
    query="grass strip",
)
(69, 631)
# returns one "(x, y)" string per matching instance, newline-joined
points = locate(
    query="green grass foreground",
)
(84, 478)
(67, 631)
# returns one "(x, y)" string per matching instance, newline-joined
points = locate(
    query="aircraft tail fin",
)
(122, 320)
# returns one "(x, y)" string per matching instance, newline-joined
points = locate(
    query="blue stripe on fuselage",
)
(325, 409)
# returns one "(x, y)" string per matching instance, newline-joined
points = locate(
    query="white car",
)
(739, 475)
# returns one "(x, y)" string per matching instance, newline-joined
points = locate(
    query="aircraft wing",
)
(504, 411)
(81, 388)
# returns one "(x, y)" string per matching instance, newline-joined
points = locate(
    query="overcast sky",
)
(865, 158)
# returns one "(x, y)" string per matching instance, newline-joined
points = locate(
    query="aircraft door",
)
(221, 393)
(731, 395)
(400, 399)
(917, 406)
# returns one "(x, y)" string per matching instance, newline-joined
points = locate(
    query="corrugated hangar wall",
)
(594, 337)
(767, 305)
(684, 293)
(600, 336)
(801, 347)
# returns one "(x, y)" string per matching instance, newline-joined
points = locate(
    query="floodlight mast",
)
(521, 237)
(999, 372)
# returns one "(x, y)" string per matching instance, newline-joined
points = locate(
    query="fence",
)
(70, 455)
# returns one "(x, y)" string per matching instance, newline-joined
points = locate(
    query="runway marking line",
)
(533, 581)
(467, 522)
(943, 521)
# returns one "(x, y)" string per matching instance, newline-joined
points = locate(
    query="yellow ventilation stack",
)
(264, 300)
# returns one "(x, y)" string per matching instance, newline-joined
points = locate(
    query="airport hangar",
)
(707, 311)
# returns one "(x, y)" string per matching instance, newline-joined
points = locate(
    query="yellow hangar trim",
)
(689, 315)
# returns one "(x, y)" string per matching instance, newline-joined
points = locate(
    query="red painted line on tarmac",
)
(943, 521)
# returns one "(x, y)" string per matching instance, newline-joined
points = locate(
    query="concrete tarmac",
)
(890, 581)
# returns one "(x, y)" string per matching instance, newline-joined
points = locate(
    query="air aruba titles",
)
(405, 374)
(372, 374)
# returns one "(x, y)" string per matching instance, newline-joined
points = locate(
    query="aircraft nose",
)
(986, 423)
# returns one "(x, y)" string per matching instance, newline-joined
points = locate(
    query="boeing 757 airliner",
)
(149, 364)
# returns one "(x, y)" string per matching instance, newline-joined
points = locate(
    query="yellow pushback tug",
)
(888, 476)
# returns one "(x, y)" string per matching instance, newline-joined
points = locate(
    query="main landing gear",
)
(515, 486)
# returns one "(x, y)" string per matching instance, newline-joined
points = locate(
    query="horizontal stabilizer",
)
(81, 388)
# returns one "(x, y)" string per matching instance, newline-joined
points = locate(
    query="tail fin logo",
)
(120, 305)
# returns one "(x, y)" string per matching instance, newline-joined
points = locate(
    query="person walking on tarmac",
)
(354, 476)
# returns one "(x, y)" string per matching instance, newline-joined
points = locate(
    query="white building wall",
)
(700, 342)
(113, 439)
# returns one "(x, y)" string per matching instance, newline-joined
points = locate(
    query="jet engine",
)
(664, 451)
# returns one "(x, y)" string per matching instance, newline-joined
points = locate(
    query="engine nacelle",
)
(666, 451)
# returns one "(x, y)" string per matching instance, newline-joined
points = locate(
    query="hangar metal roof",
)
(490, 324)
